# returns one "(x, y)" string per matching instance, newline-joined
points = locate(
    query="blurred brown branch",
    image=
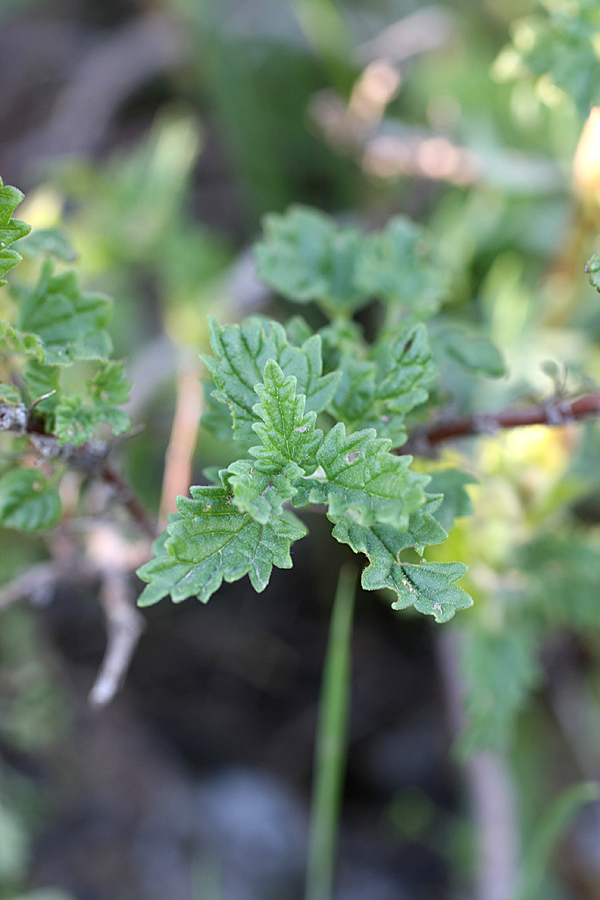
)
(556, 411)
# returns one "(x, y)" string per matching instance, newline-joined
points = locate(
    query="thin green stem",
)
(331, 741)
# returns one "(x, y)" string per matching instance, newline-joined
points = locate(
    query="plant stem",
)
(330, 748)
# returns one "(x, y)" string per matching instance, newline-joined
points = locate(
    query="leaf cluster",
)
(560, 44)
(319, 419)
(58, 380)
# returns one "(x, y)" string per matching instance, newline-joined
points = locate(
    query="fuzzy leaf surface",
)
(287, 433)
(240, 356)
(71, 324)
(429, 587)
(27, 501)
(10, 229)
(379, 393)
(363, 479)
(212, 541)
(305, 256)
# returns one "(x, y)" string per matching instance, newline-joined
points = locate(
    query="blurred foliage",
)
(280, 90)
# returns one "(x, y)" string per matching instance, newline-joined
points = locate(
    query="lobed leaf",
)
(10, 229)
(289, 443)
(288, 433)
(379, 393)
(429, 587)
(240, 355)
(305, 256)
(212, 541)
(396, 266)
(70, 324)
(363, 479)
(76, 420)
(27, 501)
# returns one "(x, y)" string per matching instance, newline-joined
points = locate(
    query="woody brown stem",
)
(556, 411)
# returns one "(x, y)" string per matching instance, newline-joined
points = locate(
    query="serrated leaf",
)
(429, 587)
(363, 479)
(258, 493)
(289, 444)
(379, 393)
(47, 242)
(396, 267)
(10, 229)
(15, 341)
(71, 324)
(27, 501)
(76, 420)
(109, 385)
(305, 256)
(241, 353)
(212, 541)
(287, 433)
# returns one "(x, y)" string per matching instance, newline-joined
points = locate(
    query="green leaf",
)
(289, 443)
(592, 267)
(429, 587)
(10, 395)
(47, 242)
(456, 502)
(241, 353)
(71, 324)
(475, 354)
(379, 393)
(76, 420)
(363, 479)
(27, 501)
(10, 229)
(562, 46)
(212, 541)
(109, 385)
(355, 395)
(40, 380)
(305, 256)
(397, 267)
(14, 341)
(287, 433)
(258, 493)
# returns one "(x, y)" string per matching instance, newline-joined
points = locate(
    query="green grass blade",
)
(330, 751)
(550, 829)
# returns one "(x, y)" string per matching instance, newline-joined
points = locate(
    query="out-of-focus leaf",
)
(27, 501)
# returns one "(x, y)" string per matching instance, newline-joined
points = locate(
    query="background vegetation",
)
(158, 134)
